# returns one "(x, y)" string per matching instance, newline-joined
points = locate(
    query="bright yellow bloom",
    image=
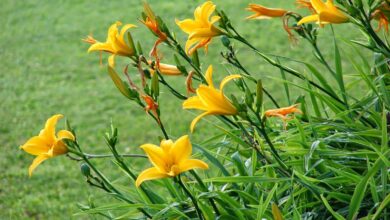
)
(169, 160)
(262, 12)
(325, 13)
(283, 112)
(115, 42)
(200, 30)
(47, 144)
(210, 99)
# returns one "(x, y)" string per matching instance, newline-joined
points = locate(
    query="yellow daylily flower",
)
(169, 160)
(262, 12)
(115, 43)
(325, 13)
(201, 29)
(47, 144)
(211, 100)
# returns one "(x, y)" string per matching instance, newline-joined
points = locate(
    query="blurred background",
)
(45, 69)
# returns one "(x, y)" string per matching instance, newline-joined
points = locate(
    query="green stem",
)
(203, 186)
(104, 179)
(93, 156)
(288, 70)
(197, 209)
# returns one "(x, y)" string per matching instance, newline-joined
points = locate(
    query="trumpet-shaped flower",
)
(115, 43)
(262, 12)
(169, 160)
(47, 144)
(201, 29)
(325, 13)
(211, 100)
(283, 112)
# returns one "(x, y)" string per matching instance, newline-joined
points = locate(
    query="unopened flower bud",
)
(85, 170)
(225, 41)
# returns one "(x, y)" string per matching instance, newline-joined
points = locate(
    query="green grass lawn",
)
(45, 69)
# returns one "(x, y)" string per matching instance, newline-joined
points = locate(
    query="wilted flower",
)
(382, 16)
(189, 87)
(283, 112)
(201, 29)
(210, 99)
(169, 159)
(151, 22)
(325, 13)
(262, 12)
(115, 43)
(47, 144)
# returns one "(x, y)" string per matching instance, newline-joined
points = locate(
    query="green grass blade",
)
(327, 205)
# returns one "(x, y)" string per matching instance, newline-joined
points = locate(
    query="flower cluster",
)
(309, 157)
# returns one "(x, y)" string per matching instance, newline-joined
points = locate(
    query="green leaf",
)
(212, 159)
(245, 179)
(383, 205)
(263, 205)
(335, 214)
(360, 190)
(236, 159)
(235, 206)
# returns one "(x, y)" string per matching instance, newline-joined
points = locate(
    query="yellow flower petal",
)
(330, 17)
(59, 148)
(318, 5)
(64, 134)
(194, 103)
(111, 61)
(149, 174)
(187, 25)
(195, 121)
(181, 150)
(203, 33)
(191, 44)
(48, 133)
(262, 12)
(227, 79)
(325, 13)
(124, 30)
(206, 10)
(156, 156)
(166, 145)
(101, 47)
(38, 160)
(209, 76)
(36, 146)
(307, 19)
(215, 101)
(192, 164)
